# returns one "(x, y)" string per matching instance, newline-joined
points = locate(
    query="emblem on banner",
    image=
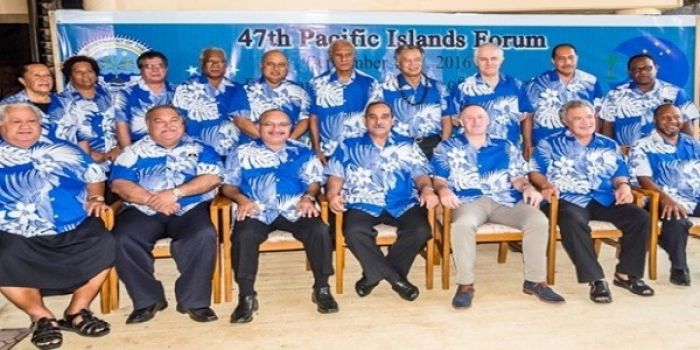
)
(116, 56)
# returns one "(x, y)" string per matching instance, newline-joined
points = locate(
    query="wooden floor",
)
(501, 316)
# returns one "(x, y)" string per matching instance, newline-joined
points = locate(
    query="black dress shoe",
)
(324, 301)
(244, 311)
(146, 313)
(405, 289)
(362, 288)
(202, 314)
(680, 277)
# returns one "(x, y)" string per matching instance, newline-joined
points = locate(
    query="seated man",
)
(668, 162)
(274, 181)
(372, 180)
(51, 239)
(484, 179)
(587, 172)
(167, 181)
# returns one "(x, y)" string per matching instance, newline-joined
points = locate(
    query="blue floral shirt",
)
(21, 97)
(581, 173)
(674, 168)
(257, 97)
(274, 180)
(379, 178)
(43, 188)
(417, 112)
(340, 107)
(487, 171)
(75, 118)
(208, 112)
(545, 94)
(156, 168)
(134, 101)
(501, 102)
(632, 111)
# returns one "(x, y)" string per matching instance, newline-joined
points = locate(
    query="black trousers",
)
(674, 239)
(193, 248)
(576, 237)
(428, 144)
(250, 233)
(360, 236)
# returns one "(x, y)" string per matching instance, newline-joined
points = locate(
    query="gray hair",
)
(209, 51)
(564, 110)
(154, 109)
(338, 42)
(4, 110)
(499, 50)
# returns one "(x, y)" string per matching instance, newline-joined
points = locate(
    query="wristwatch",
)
(309, 197)
(177, 192)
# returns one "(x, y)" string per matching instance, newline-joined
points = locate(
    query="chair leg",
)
(596, 246)
(227, 267)
(502, 252)
(216, 278)
(113, 288)
(105, 298)
(429, 263)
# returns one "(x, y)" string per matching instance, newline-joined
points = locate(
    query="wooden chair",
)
(386, 235)
(162, 250)
(602, 231)
(487, 233)
(106, 289)
(276, 241)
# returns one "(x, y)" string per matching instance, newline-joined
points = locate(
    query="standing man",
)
(167, 182)
(51, 238)
(271, 91)
(668, 162)
(586, 170)
(38, 85)
(628, 111)
(498, 93)
(382, 178)
(338, 100)
(546, 93)
(485, 180)
(205, 101)
(135, 100)
(274, 181)
(421, 104)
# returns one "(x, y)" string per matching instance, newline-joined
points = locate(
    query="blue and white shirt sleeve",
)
(517, 166)
(440, 161)
(639, 162)
(420, 165)
(240, 105)
(335, 166)
(209, 162)
(311, 171)
(232, 170)
(124, 166)
(686, 105)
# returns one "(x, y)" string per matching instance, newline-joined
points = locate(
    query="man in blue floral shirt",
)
(51, 238)
(205, 101)
(498, 93)
(586, 170)
(271, 91)
(420, 104)
(484, 180)
(338, 100)
(668, 162)
(151, 89)
(382, 178)
(275, 180)
(628, 111)
(546, 93)
(167, 181)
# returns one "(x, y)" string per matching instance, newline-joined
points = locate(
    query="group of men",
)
(386, 152)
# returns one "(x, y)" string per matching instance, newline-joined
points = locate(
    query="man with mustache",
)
(546, 93)
(668, 162)
(275, 180)
(382, 178)
(167, 181)
(628, 110)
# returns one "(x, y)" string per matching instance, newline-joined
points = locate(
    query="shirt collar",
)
(334, 75)
(633, 86)
(463, 138)
(402, 83)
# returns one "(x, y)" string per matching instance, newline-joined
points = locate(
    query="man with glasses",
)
(275, 180)
(151, 89)
(205, 101)
(628, 111)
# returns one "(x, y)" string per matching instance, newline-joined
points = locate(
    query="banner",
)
(604, 43)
